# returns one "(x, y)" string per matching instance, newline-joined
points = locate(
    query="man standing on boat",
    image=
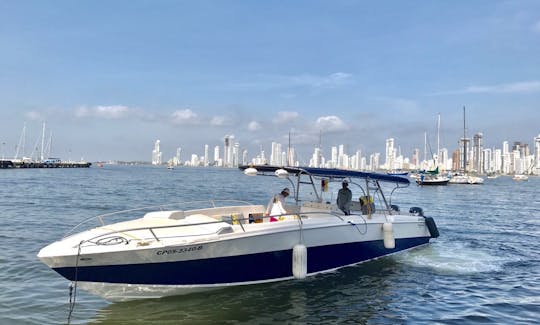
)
(276, 206)
(344, 198)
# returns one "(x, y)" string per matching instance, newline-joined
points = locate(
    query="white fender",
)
(250, 171)
(299, 261)
(388, 235)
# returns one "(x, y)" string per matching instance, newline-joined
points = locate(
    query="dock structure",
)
(5, 164)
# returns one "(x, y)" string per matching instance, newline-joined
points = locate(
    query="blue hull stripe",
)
(231, 269)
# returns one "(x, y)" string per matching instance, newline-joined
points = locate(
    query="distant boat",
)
(466, 179)
(397, 173)
(432, 177)
(520, 177)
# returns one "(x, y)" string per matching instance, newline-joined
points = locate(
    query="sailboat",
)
(464, 177)
(432, 177)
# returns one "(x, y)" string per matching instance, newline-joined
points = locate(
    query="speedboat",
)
(167, 251)
(520, 177)
(466, 179)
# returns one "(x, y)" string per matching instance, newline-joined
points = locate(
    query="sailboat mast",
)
(22, 139)
(42, 141)
(425, 146)
(464, 143)
(438, 138)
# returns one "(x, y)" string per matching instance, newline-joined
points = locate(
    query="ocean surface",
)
(483, 269)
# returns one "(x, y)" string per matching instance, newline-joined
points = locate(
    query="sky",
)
(109, 78)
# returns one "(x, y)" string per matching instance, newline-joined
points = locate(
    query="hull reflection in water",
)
(364, 288)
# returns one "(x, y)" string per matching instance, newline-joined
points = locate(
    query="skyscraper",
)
(478, 147)
(205, 162)
(156, 154)
(390, 154)
(464, 147)
(226, 150)
(216, 156)
(536, 169)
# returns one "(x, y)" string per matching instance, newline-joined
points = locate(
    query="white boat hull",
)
(257, 254)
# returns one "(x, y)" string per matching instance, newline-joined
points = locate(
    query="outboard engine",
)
(432, 227)
(430, 222)
(416, 211)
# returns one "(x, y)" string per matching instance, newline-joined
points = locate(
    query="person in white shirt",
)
(276, 205)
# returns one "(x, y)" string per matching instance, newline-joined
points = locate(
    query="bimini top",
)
(330, 172)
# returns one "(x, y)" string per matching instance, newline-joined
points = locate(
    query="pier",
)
(6, 164)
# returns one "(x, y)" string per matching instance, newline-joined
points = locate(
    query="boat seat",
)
(175, 215)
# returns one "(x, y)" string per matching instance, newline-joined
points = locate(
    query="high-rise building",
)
(487, 158)
(226, 150)
(334, 157)
(478, 147)
(205, 161)
(536, 169)
(176, 159)
(390, 154)
(497, 160)
(235, 155)
(316, 160)
(217, 161)
(156, 154)
(244, 157)
(275, 154)
(456, 160)
(464, 150)
(506, 161)
(416, 158)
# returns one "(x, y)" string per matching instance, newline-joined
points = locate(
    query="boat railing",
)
(111, 237)
(161, 207)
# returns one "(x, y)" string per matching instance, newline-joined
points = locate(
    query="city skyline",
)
(109, 79)
(471, 157)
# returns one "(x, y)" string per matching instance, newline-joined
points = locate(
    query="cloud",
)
(254, 126)
(331, 81)
(331, 123)
(285, 117)
(105, 112)
(517, 87)
(508, 88)
(219, 121)
(184, 117)
(33, 115)
(267, 82)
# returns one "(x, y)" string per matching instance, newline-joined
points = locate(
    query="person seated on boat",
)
(276, 205)
(344, 198)
(367, 205)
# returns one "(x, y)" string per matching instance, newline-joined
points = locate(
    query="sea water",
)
(484, 268)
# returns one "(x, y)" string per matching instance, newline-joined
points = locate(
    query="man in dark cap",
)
(344, 198)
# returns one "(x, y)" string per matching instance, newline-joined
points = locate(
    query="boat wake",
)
(453, 258)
